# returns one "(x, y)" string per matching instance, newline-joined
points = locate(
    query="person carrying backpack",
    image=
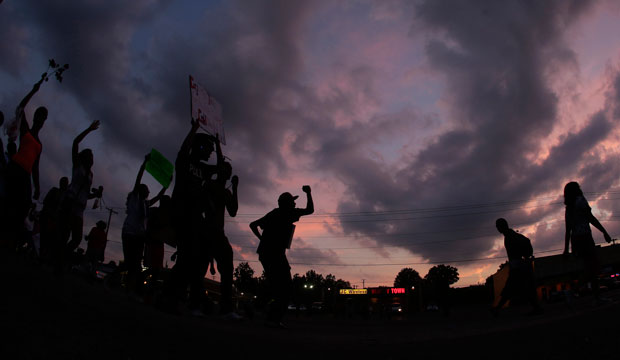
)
(520, 280)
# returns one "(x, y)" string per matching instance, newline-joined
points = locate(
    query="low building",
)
(556, 273)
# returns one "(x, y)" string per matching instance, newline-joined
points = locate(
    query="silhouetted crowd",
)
(192, 221)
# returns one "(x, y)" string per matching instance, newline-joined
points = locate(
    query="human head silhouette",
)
(63, 184)
(86, 158)
(143, 191)
(287, 201)
(101, 224)
(502, 225)
(571, 191)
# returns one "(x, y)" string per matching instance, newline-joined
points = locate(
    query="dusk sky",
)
(416, 123)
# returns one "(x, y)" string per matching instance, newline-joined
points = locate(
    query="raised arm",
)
(189, 139)
(141, 172)
(78, 139)
(309, 204)
(157, 197)
(23, 124)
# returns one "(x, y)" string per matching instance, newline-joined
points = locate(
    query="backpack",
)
(525, 246)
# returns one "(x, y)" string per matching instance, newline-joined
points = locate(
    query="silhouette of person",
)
(223, 200)
(520, 280)
(49, 218)
(134, 228)
(97, 241)
(578, 217)
(188, 203)
(24, 166)
(79, 192)
(277, 232)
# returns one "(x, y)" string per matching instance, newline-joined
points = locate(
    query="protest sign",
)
(206, 110)
(160, 168)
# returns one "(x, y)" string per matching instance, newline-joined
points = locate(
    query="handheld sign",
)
(206, 110)
(160, 168)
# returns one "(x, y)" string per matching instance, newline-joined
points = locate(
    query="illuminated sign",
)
(353, 291)
(387, 291)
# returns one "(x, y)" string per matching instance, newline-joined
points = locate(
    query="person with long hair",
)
(578, 233)
(79, 192)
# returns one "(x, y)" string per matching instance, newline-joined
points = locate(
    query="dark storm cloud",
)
(12, 41)
(496, 57)
(247, 54)
(135, 81)
(250, 56)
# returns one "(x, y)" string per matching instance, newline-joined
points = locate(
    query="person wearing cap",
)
(277, 232)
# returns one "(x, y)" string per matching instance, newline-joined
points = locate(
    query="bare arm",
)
(309, 204)
(254, 227)
(23, 124)
(34, 90)
(157, 197)
(141, 173)
(594, 221)
(75, 149)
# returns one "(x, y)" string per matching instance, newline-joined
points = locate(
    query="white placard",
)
(206, 110)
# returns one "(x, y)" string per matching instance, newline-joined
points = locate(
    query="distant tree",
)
(442, 275)
(407, 278)
(243, 278)
(314, 278)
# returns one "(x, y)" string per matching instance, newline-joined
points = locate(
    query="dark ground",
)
(45, 317)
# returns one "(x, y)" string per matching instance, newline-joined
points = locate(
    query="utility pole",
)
(363, 283)
(107, 229)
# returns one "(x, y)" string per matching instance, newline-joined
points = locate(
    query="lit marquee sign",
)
(387, 291)
(353, 291)
(373, 291)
